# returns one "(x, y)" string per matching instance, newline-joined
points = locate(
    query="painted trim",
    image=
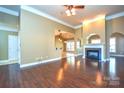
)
(95, 46)
(40, 13)
(91, 35)
(78, 54)
(85, 22)
(115, 16)
(38, 62)
(7, 62)
(7, 28)
(8, 11)
(4, 61)
(78, 26)
(117, 55)
(44, 61)
(30, 64)
(111, 17)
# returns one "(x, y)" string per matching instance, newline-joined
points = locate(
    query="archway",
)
(116, 44)
(64, 42)
(93, 39)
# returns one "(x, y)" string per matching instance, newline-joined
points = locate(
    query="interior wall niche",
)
(94, 39)
(9, 28)
(119, 43)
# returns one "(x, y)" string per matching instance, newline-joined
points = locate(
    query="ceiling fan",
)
(70, 9)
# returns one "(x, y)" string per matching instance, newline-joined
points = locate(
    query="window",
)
(112, 45)
(95, 41)
(70, 46)
(78, 44)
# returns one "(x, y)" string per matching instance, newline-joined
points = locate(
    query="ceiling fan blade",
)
(79, 6)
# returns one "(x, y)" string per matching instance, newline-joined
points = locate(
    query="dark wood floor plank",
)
(76, 73)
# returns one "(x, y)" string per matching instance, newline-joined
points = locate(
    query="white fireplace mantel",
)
(101, 46)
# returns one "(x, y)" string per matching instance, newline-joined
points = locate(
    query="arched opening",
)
(64, 42)
(116, 44)
(94, 39)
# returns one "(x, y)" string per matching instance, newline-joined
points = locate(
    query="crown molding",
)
(107, 18)
(8, 11)
(115, 16)
(40, 13)
(78, 26)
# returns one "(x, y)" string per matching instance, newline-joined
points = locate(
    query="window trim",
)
(112, 45)
(98, 41)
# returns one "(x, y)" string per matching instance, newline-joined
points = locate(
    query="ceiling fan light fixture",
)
(73, 11)
(68, 12)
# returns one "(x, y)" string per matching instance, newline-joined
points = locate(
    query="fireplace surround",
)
(94, 51)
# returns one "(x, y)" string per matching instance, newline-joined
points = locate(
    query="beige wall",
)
(79, 37)
(105, 30)
(37, 37)
(4, 43)
(9, 20)
(113, 26)
(79, 34)
(97, 27)
(58, 43)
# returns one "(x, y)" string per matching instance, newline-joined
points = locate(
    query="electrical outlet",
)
(46, 56)
(37, 59)
(41, 58)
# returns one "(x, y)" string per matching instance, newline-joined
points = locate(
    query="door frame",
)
(18, 47)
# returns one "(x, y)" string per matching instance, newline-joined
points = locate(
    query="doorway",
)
(13, 50)
(116, 44)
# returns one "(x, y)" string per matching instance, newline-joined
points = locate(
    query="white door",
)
(13, 47)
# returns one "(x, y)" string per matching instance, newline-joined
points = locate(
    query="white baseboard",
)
(107, 59)
(7, 62)
(118, 55)
(44, 61)
(78, 54)
(39, 62)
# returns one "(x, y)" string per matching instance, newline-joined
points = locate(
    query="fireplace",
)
(93, 53)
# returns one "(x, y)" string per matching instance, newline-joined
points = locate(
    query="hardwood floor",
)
(69, 72)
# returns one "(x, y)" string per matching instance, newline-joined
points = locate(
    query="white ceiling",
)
(89, 12)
